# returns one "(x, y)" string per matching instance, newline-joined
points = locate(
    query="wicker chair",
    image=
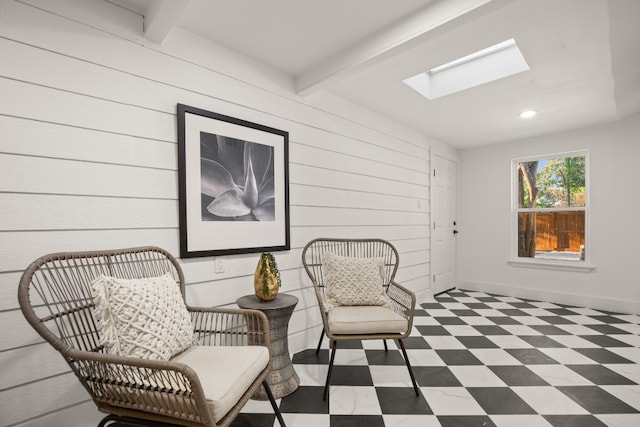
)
(401, 300)
(56, 299)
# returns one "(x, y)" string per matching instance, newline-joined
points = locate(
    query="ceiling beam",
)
(161, 17)
(385, 43)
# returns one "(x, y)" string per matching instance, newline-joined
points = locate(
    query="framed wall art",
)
(233, 185)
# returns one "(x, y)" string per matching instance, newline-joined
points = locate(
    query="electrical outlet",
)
(219, 265)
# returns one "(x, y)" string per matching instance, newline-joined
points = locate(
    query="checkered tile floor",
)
(480, 360)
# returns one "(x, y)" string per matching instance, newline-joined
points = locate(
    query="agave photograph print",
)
(233, 185)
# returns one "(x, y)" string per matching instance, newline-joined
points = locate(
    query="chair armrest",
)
(229, 327)
(119, 382)
(403, 301)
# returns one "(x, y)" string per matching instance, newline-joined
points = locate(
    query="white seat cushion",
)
(364, 319)
(224, 372)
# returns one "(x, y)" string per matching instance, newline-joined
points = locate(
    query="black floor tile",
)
(351, 375)
(420, 313)
(491, 330)
(557, 320)
(605, 341)
(609, 319)
(531, 356)
(516, 376)
(574, 421)
(432, 306)
(402, 400)
(561, 311)
(435, 376)
(500, 400)
(596, 400)
(477, 306)
(306, 399)
(504, 320)
(602, 355)
(415, 343)
(549, 330)
(458, 357)
(381, 357)
(465, 421)
(432, 330)
(608, 329)
(450, 320)
(523, 305)
(356, 421)
(309, 356)
(540, 341)
(488, 299)
(476, 342)
(600, 375)
(513, 312)
(253, 420)
(464, 312)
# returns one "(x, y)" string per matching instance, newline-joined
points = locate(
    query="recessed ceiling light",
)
(528, 114)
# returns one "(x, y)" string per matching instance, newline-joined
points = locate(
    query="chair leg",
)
(385, 346)
(334, 346)
(267, 389)
(320, 342)
(406, 359)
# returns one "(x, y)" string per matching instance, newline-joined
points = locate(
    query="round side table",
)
(282, 379)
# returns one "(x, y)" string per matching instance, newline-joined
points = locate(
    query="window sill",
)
(579, 266)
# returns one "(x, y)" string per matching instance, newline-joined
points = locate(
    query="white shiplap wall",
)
(88, 161)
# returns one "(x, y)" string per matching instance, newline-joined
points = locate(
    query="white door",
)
(443, 215)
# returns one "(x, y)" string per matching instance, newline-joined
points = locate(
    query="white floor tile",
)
(620, 420)
(410, 421)
(509, 341)
(462, 330)
(549, 401)
(559, 375)
(346, 400)
(306, 420)
(631, 371)
(390, 376)
(567, 356)
(345, 356)
(629, 394)
(495, 357)
(519, 421)
(444, 342)
(572, 341)
(424, 358)
(476, 376)
(312, 375)
(451, 401)
(522, 330)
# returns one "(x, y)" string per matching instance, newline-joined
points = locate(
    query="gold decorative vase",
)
(266, 279)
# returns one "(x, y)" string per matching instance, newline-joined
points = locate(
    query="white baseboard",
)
(589, 301)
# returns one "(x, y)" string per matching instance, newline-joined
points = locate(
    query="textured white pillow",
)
(354, 281)
(142, 317)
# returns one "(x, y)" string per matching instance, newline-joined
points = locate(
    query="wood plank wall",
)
(88, 161)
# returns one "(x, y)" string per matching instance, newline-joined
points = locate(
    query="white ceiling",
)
(584, 56)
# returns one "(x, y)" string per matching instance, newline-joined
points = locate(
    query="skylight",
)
(484, 66)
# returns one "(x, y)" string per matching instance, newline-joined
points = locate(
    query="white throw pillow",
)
(142, 317)
(354, 281)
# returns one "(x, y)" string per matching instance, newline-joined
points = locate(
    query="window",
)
(550, 210)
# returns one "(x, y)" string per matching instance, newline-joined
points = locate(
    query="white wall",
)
(485, 220)
(88, 161)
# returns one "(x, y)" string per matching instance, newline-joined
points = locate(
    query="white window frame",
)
(572, 265)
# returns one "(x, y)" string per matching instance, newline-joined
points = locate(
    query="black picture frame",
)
(233, 185)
